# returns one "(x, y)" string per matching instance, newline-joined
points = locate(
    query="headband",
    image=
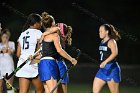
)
(61, 25)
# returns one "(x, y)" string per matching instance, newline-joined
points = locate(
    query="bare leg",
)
(62, 88)
(1, 85)
(46, 88)
(49, 84)
(38, 85)
(23, 85)
(97, 85)
(113, 86)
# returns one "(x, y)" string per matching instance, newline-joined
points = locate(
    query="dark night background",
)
(123, 14)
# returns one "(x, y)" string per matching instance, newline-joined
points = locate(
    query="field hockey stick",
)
(19, 67)
(58, 83)
(15, 90)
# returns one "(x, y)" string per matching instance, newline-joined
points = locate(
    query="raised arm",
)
(59, 49)
(49, 31)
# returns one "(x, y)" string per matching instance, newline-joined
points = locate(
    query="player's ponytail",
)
(47, 19)
(68, 35)
(112, 32)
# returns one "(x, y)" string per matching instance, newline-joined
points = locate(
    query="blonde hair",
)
(6, 31)
(68, 35)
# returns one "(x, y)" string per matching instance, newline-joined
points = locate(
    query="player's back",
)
(28, 40)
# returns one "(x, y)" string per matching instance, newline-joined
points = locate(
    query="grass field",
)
(85, 88)
(81, 79)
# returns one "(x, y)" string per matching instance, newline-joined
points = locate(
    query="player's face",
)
(102, 32)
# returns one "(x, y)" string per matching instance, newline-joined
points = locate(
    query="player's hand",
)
(74, 61)
(4, 50)
(30, 57)
(102, 65)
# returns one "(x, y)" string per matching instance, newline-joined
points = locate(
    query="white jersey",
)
(28, 41)
(6, 60)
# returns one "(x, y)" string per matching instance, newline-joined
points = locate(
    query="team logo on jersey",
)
(27, 32)
(104, 48)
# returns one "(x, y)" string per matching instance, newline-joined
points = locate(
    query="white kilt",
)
(27, 71)
(6, 64)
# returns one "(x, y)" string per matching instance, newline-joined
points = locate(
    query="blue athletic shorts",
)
(62, 69)
(48, 68)
(109, 72)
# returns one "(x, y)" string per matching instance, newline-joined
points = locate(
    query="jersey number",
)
(26, 42)
(101, 53)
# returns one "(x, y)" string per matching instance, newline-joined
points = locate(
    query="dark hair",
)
(47, 19)
(112, 32)
(31, 20)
